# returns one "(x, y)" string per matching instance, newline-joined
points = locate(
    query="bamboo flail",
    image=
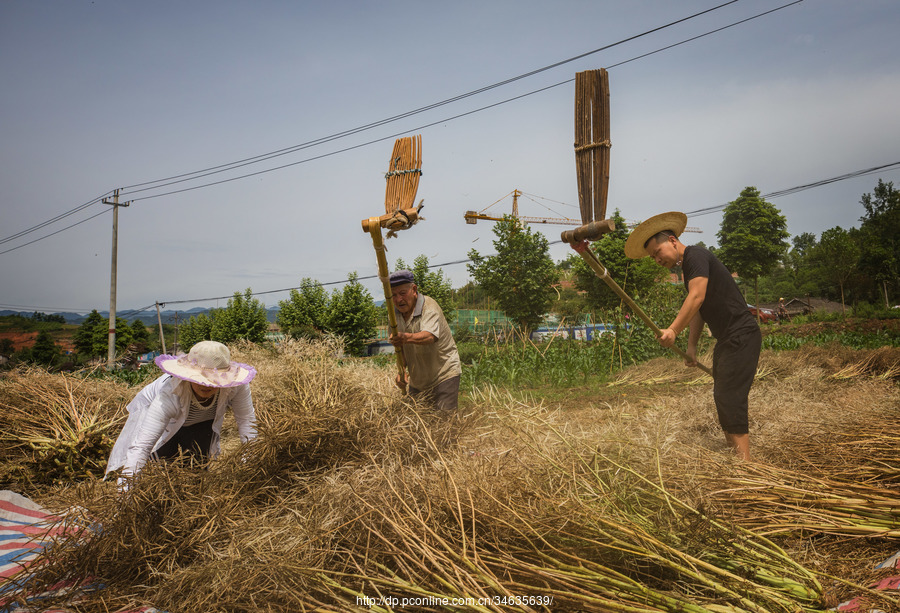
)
(403, 174)
(592, 142)
(402, 177)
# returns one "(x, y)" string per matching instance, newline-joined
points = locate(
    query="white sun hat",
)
(207, 363)
(674, 221)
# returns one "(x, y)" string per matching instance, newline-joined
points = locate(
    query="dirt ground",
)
(22, 340)
(863, 326)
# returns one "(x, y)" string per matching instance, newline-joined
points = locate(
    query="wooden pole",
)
(584, 250)
(373, 227)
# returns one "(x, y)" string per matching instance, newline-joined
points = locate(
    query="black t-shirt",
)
(724, 308)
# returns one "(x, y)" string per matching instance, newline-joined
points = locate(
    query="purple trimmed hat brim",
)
(236, 375)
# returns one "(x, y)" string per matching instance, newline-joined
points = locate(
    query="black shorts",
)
(194, 440)
(735, 360)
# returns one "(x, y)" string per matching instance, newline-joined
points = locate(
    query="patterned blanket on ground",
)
(26, 529)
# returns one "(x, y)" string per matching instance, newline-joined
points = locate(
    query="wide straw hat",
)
(207, 363)
(674, 221)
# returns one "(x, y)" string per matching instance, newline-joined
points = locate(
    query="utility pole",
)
(162, 338)
(175, 349)
(111, 357)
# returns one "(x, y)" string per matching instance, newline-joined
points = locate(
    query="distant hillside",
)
(148, 317)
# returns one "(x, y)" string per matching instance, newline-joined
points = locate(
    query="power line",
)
(57, 218)
(800, 188)
(159, 183)
(78, 223)
(266, 156)
(696, 213)
(40, 308)
(446, 119)
(704, 211)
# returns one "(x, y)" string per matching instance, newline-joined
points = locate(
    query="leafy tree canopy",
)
(880, 227)
(83, 338)
(352, 316)
(243, 318)
(752, 237)
(304, 313)
(45, 351)
(837, 256)
(100, 337)
(520, 276)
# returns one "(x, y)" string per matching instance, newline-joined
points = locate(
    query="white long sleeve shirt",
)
(158, 412)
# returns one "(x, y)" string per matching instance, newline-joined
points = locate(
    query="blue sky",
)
(99, 95)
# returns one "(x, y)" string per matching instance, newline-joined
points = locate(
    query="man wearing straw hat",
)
(427, 343)
(182, 411)
(715, 299)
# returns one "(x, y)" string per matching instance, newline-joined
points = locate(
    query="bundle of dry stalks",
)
(771, 500)
(351, 494)
(57, 428)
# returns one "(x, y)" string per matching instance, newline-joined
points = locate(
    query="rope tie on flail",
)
(397, 173)
(588, 147)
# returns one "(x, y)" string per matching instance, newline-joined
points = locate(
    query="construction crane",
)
(473, 217)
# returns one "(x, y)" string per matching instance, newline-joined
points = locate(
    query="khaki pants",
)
(444, 396)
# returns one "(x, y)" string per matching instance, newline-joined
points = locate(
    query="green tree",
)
(569, 305)
(352, 316)
(100, 338)
(54, 318)
(45, 351)
(837, 256)
(520, 276)
(83, 338)
(140, 335)
(243, 318)
(432, 283)
(635, 277)
(752, 237)
(881, 227)
(303, 314)
(470, 296)
(198, 328)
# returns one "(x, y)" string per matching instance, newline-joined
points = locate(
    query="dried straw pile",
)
(350, 494)
(56, 428)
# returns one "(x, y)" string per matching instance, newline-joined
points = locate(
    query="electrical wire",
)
(800, 188)
(783, 192)
(55, 219)
(446, 119)
(159, 183)
(266, 156)
(78, 223)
